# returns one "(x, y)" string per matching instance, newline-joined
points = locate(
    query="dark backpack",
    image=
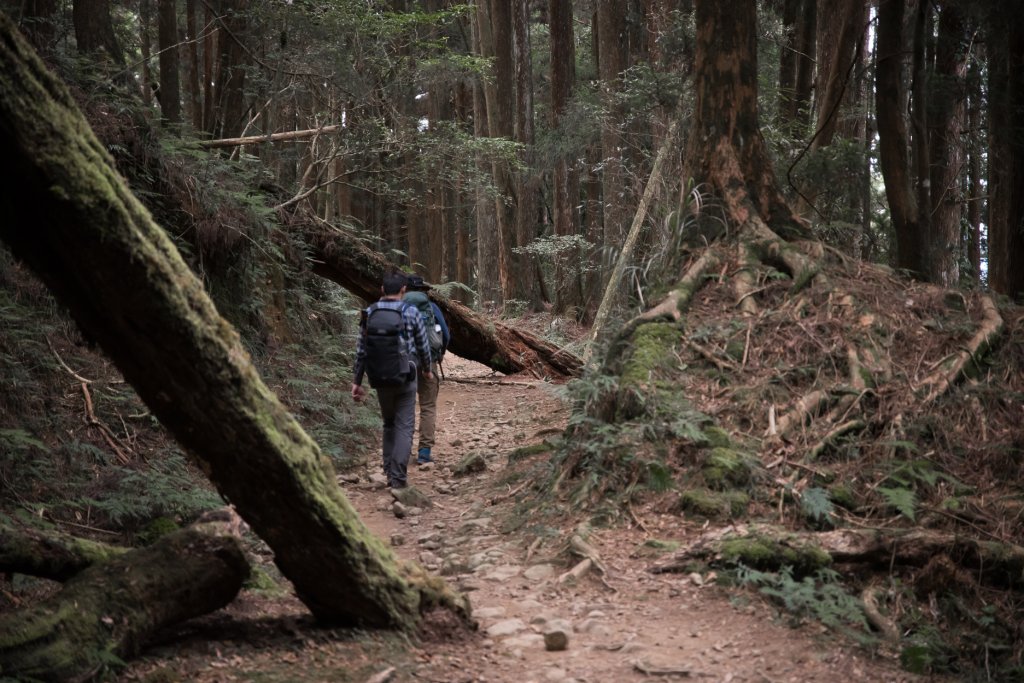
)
(434, 335)
(387, 357)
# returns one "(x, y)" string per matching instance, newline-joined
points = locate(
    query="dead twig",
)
(65, 365)
(108, 435)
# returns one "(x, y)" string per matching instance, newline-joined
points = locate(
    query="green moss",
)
(713, 504)
(528, 451)
(843, 496)
(262, 582)
(734, 348)
(764, 553)
(161, 526)
(652, 348)
(725, 468)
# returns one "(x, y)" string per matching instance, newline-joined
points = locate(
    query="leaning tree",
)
(72, 218)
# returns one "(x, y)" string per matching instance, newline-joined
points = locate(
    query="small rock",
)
(472, 463)
(696, 579)
(503, 572)
(489, 612)
(349, 478)
(539, 572)
(411, 496)
(432, 544)
(427, 557)
(523, 641)
(556, 635)
(397, 539)
(378, 480)
(505, 628)
(415, 511)
(554, 674)
(399, 510)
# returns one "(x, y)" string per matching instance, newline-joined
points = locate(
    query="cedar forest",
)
(772, 253)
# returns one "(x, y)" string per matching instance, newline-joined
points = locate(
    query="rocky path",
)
(536, 624)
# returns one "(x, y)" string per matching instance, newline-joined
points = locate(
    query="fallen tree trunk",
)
(343, 258)
(272, 137)
(34, 552)
(769, 548)
(74, 221)
(112, 608)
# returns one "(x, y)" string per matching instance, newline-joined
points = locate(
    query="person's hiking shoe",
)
(423, 456)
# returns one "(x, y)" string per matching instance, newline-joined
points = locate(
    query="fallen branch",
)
(108, 435)
(887, 627)
(807, 407)
(272, 137)
(830, 438)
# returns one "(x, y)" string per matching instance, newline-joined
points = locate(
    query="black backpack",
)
(387, 358)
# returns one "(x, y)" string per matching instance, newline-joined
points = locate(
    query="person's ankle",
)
(423, 455)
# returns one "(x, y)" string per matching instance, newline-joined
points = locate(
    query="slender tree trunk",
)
(806, 47)
(947, 105)
(65, 206)
(145, 47)
(893, 138)
(975, 193)
(565, 190)
(529, 285)
(210, 47)
(788, 65)
(612, 55)
(488, 287)
(230, 90)
(193, 88)
(170, 90)
(919, 147)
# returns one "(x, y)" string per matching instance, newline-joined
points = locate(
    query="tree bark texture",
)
(840, 25)
(726, 149)
(114, 607)
(488, 287)
(73, 220)
(146, 48)
(193, 88)
(170, 88)
(1006, 152)
(565, 180)
(613, 55)
(893, 139)
(947, 122)
(529, 286)
(39, 23)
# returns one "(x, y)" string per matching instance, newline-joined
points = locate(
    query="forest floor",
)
(625, 624)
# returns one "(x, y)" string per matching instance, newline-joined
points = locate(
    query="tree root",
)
(887, 627)
(958, 366)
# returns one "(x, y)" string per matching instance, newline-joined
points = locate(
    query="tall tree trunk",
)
(145, 47)
(230, 84)
(948, 96)
(65, 207)
(210, 46)
(170, 91)
(840, 25)
(788, 65)
(975, 192)
(1006, 151)
(501, 103)
(39, 24)
(612, 59)
(193, 88)
(806, 47)
(565, 185)
(725, 146)
(94, 30)
(529, 286)
(893, 139)
(488, 287)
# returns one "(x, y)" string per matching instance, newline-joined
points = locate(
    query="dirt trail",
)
(628, 625)
(672, 626)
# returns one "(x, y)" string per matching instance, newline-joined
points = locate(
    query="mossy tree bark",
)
(71, 217)
(49, 555)
(113, 607)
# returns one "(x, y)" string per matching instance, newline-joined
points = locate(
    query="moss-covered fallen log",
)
(49, 555)
(108, 611)
(769, 548)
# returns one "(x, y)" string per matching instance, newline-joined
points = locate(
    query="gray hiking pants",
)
(398, 409)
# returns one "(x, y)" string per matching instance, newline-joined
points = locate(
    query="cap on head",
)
(393, 283)
(416, 283)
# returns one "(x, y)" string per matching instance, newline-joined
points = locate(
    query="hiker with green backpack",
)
(392, 350)
(438, 337)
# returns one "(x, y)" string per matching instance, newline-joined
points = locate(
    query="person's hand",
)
(358, 393)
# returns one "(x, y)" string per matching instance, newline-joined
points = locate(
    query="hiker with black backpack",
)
(438, 338)
(392, 350)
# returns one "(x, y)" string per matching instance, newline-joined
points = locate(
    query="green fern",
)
(20, 440)
(817, 505)
(904, 500)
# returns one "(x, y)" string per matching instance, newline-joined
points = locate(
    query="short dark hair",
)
(393, 282)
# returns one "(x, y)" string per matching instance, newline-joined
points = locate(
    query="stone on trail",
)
(472, 463)
(411, 497)
(489, 612)
(506, 627)
(397, 539)
(400, 510)
(556, 635)
(539, 572)
(378, 480)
